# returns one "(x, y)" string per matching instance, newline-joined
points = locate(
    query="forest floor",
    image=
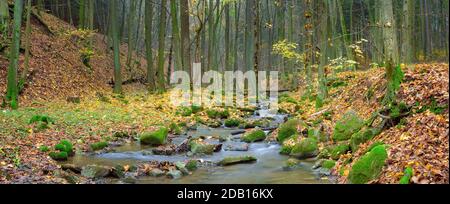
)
(58, 76)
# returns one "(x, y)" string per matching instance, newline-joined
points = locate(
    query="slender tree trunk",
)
(69, 9)
(82, 15)
(176, 38)
(227, 37)
(131, 25)
(12, 93)
(148, 43)
(249, 46)
(407, 31)
(116, 44)
(185, 35)
(161, 46)
(23, 77)
(237, 9)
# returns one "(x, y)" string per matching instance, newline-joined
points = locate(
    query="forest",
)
(327, 91)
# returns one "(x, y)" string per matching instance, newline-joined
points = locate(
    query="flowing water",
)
(267, 170)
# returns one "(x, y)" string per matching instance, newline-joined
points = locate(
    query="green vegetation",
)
(369, 166)
(347, 126)
(232, 122)
(58, 156)
(408, 174)
(192, 165)
(44, 148)
(288, 129)
(307, 147)
(254, 136)
(158, 137)
(99, 146)
(328, 164)
(218, 114)
(338, 150)
(65, 146)
(362, 136)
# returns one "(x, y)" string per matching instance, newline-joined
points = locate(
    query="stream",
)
(267, 170)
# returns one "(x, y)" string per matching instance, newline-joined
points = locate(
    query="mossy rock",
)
(362, 136)
(369, 166)
(232, 122)
(99, 146)
(328, 164)
(317, 134)
(254, 136)
(95, 172)
(200, 147)
(237, 160)
(338, 150)
(288, 129)
(65, 146)
(158, 137)
(347, 126)
(59, 156)
(175, 129)
(306, 148)
(192, 165)
(407, 175)
(288, 144)
(218, 114)
(291, 163)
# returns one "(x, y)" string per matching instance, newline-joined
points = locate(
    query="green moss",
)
(377, 143)
(58, 156)
(369, 166)
(288, 129)
(198, 147)
(65, 146)
(338, 150)
(254, 136)
(44, 148)
(216, 114)
(232, 122)
(328, 164)
(362, 136)
(158, 137)
(41, 118)
(184, 111)
(286, 150)
(347, 126)
(99, 146)
(408, 174)
(192, 165)
(317, 134)
(307, 147)
(175, 129)
(237, 160)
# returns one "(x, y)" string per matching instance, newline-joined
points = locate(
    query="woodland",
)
(85, 92)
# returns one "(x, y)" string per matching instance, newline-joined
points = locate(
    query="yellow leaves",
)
(126, 168)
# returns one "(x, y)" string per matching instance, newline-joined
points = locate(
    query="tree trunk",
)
(176, 38)
(161, 46)
(12, 93)
(116, 45)
(148, 43)
(185, 36)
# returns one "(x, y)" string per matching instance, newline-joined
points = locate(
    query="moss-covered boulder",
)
(288, 129)
(200, 147)
(288, 144)
(347, 126)
(218, 113)
(232, 122)
(237, 160)
(59, 156)
(291, 164)
(369, 166)
(95, 171)
(99, 146)
(306, 148)
(362, 136)
(338, 150)
(254, 136)
(192, 165)
(317, 134)
(158, 137)
(65, 146)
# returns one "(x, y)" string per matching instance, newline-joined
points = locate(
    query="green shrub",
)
(184, 111)
(369, 166)
(232, 122)
(362, 136)
(216, 114)
(338, 150)
(41, 118)
(99, 146)
(65, 146)
(155, 138)
(58, 156)
(288, 129)
(254, 136)
(307, 147)
(407, 176)
(175, 129)
(347, 126)
(317, 134)
(196, 109)
(328, 164)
